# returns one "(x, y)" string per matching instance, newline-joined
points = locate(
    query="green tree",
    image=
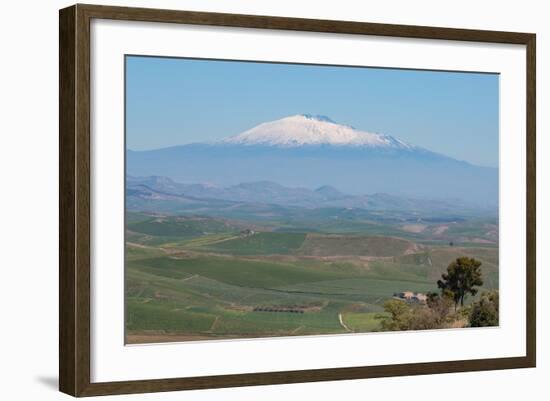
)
(462, 276)
(398, 315)
(484, 312)
(403, 316)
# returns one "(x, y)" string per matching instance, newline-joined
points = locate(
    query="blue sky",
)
(172, 101)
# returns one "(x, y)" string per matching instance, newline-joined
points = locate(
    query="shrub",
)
(484, 313)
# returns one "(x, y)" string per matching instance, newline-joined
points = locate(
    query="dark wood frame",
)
(74, 199)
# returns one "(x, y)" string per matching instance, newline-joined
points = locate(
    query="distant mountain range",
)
(303, 152)
(164, 190)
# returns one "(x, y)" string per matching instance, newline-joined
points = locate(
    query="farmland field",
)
(197, 277)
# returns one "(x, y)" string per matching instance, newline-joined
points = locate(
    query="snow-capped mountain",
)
(306, 129)
(313, 151)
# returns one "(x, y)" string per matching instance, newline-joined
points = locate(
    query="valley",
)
(192, 277)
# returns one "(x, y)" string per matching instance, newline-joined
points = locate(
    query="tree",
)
(440, 306)
(484, 312)
(462, 276)
(398, 315)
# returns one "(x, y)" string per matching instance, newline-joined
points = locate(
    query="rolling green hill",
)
(262, 243)
(355, 245)
(200, 277)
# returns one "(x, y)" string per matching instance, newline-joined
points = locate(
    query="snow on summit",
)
(305, 129)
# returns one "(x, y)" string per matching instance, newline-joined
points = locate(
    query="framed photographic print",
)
(250, 200)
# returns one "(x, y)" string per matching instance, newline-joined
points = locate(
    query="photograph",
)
(268, 200)
(273, 199)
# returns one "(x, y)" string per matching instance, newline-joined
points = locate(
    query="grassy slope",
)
(260, 244)
(360, 245)
(197, 292)
(361, 322)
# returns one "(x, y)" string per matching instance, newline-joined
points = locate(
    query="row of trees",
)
(446, 309)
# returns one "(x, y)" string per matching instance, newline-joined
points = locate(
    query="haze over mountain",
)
(155, 190)
(310, 152)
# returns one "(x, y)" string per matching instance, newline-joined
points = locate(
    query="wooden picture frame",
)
(74, 203)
